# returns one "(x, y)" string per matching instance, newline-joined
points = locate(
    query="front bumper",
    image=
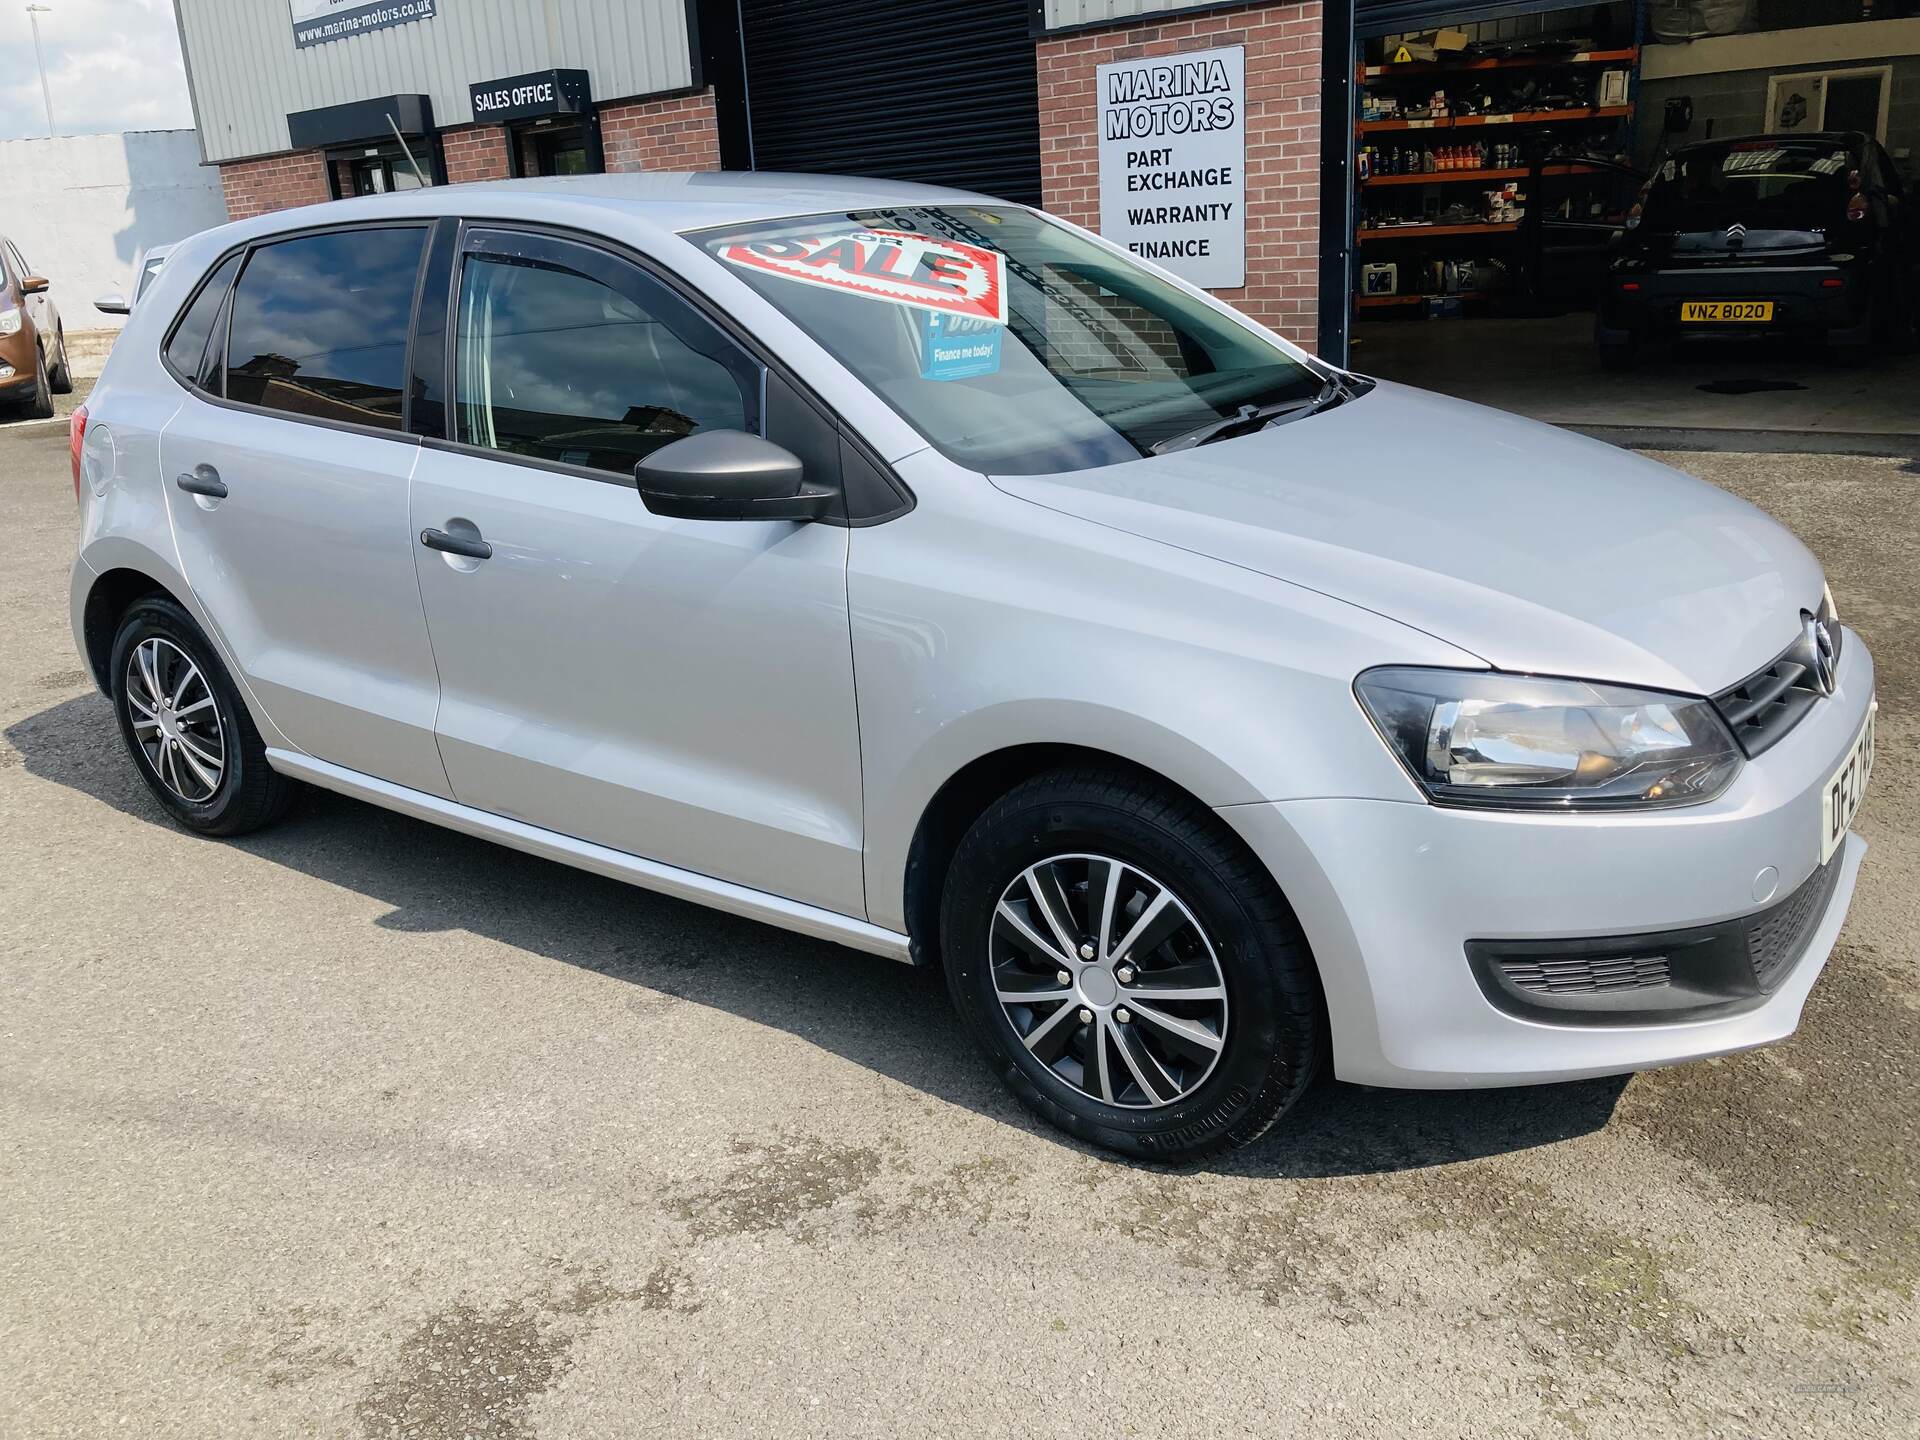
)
(1392, 894)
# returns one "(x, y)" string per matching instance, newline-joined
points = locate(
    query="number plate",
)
(1721, 312)
(1840, 800)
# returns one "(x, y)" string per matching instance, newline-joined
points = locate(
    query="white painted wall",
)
(81, 207)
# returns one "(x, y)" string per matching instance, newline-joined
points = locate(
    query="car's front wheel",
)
(184, 725)
(60, 377)
(1129, 967)
(40, 401)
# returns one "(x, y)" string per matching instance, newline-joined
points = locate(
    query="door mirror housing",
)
(730, 475)
(33, 284)
(112, 303)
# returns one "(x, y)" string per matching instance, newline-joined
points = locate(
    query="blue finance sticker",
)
(955, 347)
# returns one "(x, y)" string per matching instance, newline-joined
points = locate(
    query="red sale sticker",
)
(927, 273)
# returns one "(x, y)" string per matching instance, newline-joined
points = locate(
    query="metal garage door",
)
(896, 88)
(1407, 17)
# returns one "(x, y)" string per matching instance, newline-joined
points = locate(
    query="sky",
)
(111, 64)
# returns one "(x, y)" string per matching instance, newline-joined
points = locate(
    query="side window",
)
(597, 366)
(20, 266)
(188, 347)
(319, 325)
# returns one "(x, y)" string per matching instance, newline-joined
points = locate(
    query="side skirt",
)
(584, 855)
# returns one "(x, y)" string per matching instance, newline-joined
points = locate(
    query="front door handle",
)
(473, 547)
(203, 480)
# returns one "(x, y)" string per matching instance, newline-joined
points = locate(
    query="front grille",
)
(1587, 974)
(1777, 936)
(1762, 708)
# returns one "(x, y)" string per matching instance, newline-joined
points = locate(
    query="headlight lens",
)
(1474, 737)
(10, 321)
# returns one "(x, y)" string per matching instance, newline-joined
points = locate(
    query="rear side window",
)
(320, 323)
(555, 364)
(189, 343)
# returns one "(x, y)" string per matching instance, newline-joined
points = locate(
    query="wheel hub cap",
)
(176, 724)
(1064, 931)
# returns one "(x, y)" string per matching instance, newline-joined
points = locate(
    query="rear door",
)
(286, 474)
(680, 690)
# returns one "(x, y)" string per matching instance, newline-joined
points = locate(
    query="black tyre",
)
(60, 377)
(1129, 968)
(189, 736)
(40, 403)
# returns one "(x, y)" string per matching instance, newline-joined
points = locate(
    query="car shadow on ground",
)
(886, 1017)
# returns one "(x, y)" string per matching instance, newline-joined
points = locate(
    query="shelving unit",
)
(1437, 132)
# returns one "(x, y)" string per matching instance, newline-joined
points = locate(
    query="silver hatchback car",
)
(920, 572)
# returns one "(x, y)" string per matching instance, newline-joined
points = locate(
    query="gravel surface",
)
(358, 1127)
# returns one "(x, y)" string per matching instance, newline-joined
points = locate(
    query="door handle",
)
(203, 480)
(472, 547)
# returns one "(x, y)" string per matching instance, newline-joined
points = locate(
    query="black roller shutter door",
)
(1409, 17)
(900, 89)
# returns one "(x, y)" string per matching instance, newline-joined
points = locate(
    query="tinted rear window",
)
(320, 325)
(189, 340)
(1761, 184)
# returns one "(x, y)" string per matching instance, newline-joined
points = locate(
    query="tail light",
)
(76, 442)
(1857, 207)
(1832, 282)
(1629, 285)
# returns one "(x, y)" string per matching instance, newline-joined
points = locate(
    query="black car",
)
(1813, 236)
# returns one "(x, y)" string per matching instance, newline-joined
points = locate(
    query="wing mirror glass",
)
(112, 303)
(730, 475)
(33, 284)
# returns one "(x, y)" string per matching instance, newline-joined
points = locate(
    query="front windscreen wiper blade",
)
(1249, 418)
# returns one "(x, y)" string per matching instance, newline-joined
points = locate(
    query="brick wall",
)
(1283, 141)
(475, 152)
(254, 187)
(676, 134)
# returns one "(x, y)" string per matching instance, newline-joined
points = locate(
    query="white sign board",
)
(1173, 149)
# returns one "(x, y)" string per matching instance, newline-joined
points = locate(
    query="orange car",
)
(33, 346)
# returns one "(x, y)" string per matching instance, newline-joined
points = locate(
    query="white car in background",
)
(146, 269)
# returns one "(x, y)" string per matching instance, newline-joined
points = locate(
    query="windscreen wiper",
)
(1249, 418)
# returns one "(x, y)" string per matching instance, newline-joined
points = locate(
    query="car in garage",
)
(1812, 236)
(33, 342)
(919, 572)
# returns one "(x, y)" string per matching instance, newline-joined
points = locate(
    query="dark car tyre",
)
(1129, 968)
(189, 735)
(40, 403)
(60, 377)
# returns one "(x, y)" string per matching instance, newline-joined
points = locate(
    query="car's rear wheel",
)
(1128, 966)
(190, 737)
(40, 402)
(60, 377)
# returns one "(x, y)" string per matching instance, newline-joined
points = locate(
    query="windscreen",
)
(1012, 344)
(1761, 184)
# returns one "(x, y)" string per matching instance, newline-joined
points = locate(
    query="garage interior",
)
(1499, 149)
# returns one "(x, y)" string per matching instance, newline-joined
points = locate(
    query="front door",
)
(680, 690)
(289, 504)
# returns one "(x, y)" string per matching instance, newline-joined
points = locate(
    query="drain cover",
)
(1748, 387)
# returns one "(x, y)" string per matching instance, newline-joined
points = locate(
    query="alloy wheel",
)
(1109, 980)
(176, 723)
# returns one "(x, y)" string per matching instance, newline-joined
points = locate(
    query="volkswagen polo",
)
(922, 573)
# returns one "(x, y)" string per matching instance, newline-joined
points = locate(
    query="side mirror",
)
(112, 303)
(33, 284)
(729, 475)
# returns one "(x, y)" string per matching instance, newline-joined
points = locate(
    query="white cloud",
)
(111, 64)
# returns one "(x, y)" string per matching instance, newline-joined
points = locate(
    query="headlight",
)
(10, 321)
(1475, 737)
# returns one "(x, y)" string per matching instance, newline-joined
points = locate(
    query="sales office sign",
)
(1173, 149)
(317, 21)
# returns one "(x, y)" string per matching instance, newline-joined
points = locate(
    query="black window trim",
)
(702, 305)
(223, 324)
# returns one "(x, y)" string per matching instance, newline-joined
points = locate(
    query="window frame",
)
(772, 368)
(223, 326)
(466, 248)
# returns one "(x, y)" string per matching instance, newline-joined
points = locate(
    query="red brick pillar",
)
(1283, 142)
(677, 134)
(475, 152)
(278, 182)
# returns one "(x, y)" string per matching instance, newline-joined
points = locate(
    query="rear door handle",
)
(203, 480)
(473, 548)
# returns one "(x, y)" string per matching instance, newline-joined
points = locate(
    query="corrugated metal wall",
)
(247, 76)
